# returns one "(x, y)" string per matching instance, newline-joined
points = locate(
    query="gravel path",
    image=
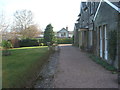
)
(46, 76)
(76, 70)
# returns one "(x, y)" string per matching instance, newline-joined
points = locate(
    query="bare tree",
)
(3, 27)
(23, 20)
(32, 31)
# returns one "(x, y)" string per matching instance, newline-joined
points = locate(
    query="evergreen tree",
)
(49, 35)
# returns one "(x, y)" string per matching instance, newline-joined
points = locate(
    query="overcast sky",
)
(60, 13)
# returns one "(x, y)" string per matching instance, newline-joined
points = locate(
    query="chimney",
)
(66, 28)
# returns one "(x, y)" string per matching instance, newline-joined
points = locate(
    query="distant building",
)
(64, 33)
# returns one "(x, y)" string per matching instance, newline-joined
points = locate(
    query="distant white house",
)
(64, 33)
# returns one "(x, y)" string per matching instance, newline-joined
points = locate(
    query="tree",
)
(49, 34)
(23, 22)
(3, 26)
(31, 32)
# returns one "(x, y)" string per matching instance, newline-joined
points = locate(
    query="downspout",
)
(88, 17)
(93, 38)
(118, 44)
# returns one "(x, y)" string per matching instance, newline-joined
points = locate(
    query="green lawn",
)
(22, 65)
(0, 70)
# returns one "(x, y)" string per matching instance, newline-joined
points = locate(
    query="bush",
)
(82, 47)
(31, 42)
(6, 44)
(41, 44)
(64, 40)
(103, 63)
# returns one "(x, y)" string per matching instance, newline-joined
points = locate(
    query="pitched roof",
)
(109, 3)
(62, 29)
(77, 25)
(112, 5)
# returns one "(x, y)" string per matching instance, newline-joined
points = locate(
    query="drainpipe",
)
(118, 45)
(93, 38)
(94, 34)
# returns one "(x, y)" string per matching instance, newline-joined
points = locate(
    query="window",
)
(105, 42)
(63, 34)
(101, 42)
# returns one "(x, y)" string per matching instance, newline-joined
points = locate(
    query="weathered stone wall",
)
(107, 16)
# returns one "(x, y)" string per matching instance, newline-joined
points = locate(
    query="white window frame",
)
(106, 42)
(101, 55)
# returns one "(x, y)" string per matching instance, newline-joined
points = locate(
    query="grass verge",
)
(103, 63)
(20, 68)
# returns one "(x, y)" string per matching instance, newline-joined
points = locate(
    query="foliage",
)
(49, 35)
(82, 47)
(6, 44)
(112, 44)
(40, 40)
(64, 40)
(73, 39)
(41, 44)
(30, 42)
(103, 63)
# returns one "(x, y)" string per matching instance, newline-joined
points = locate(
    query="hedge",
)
(30, 42)
(64, 40)
(40, 42)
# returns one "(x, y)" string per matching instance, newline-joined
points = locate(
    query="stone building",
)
(97, 28)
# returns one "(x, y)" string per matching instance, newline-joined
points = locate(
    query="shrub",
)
(31, 42)
(103, 63)
(6, 45)
(64, 40)
(41, 44)
(82, 47)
